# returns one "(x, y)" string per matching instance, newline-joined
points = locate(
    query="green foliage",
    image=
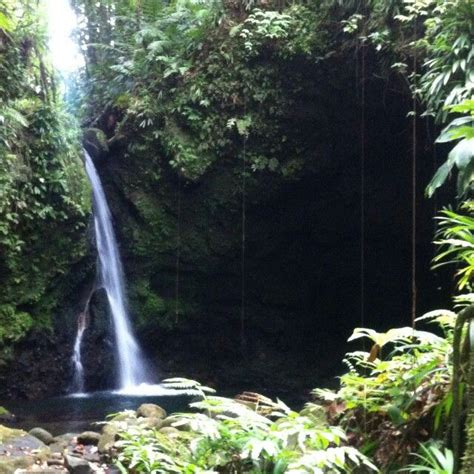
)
(447, 48)
(227, 435)
(461, 156)
(178, 77)
(261, 26)
(44, 196)
(455, 239)
(14, 325)
(432, 460)
(400, 390)
(436, 34)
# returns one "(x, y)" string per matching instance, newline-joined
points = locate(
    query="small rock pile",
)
(38, 451)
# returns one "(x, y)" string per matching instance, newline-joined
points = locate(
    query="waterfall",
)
(78, 381)
(131, 367)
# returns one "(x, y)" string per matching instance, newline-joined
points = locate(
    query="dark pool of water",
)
(78, 413)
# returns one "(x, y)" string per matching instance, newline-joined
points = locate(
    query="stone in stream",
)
(108, 437)
(150, 410)
(42, 435)
(55, 459)
(89, 437)
(106, 443)
(77, 465)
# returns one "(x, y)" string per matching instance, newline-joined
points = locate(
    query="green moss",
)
(7, 434)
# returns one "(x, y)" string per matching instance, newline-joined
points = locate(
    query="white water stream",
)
(78, 381)
(131, 366)
(133, 376)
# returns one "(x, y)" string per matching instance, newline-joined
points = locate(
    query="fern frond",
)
(186, 385)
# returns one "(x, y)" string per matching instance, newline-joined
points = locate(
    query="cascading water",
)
(132, 369)
(78, 381)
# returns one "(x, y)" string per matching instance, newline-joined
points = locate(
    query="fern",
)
(187, 386)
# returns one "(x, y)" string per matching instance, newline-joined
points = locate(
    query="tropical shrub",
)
(236, 435)
(398, 393)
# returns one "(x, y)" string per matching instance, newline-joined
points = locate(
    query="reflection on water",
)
(79, 412)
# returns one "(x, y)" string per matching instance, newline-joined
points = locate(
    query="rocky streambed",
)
(88, 452)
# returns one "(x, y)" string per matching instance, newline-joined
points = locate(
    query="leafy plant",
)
(455, 239)
(236, 435)
(399, 388)
(461, 156)
(432, 460)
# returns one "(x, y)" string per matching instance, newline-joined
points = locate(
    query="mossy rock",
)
(19, 449)
(6, 434)
(150, 410)
(45, 436)
(89, 437)
(124, 416)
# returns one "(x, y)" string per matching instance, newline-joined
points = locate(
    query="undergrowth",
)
(390, 399)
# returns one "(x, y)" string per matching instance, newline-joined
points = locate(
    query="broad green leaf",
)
(447, 133)
(462, 153)
(5, 22)
(439, 178)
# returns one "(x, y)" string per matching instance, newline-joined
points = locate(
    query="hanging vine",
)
(178, 250)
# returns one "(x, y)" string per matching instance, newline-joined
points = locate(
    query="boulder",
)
(89, 437)
(106, 442)
(45, 436)
(18, 441)
(108, 437)
(77, 465)
(150, 410)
